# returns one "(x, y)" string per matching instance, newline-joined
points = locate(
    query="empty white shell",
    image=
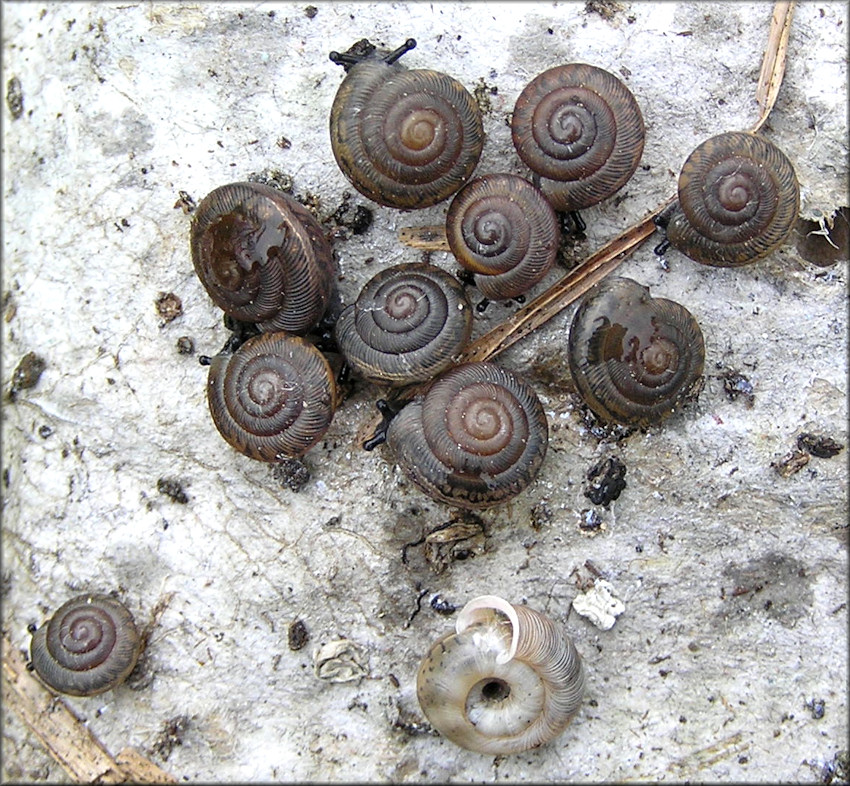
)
(508, 679)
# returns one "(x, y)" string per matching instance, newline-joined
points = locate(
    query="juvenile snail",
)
(507, 680)
(634, 358)
(262, 257)
(273, 398)
(408, 323)
(502, 229)
(475, 440)
(581, 130)
(404, 138)
(738, 201)
(87, 647)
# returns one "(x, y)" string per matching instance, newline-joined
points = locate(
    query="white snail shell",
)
(509, 679)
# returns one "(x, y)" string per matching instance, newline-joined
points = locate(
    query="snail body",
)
(502, 229)
(476, 439)
(581, 130)
(407, 324)
(635, 359)
(404, 138)
(738, 201)
(273, 398)
(506, 680)
(262, 257)
(87, 647)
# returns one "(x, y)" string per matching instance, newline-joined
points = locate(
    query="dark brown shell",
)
(475, 440)
(273, 398)
(405, 138)
(408, 323)
(581, 129)
(87, 647)
(262, 257)
(634, 358)
(503, 229)
(738, 201)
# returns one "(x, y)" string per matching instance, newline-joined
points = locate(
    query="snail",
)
(273, 398)
(404, 138)
(262, 257)
(475, 439)
(507, 680)
(580, 129)
(634, 358)
(408, 323)
(502, 229)
(87, 647)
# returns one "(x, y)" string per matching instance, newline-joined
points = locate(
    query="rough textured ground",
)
(730, 661)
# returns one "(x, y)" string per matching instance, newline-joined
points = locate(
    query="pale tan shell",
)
(507, 680)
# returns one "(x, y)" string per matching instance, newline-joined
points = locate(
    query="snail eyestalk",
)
(402, 50)
(380, 434)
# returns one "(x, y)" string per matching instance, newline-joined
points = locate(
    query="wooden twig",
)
(773, 63)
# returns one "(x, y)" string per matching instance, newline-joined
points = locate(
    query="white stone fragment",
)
(600, 605)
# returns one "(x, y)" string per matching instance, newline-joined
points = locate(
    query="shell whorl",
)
(262, 257)
(502, 229)
(581, 129)
(738, 198)
(476, 439)
(87, 647)
(273, 398)
(407, 324)
(507, 680)
(405, 138)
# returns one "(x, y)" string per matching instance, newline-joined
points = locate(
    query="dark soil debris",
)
(736, 385)
(791, 463)
(297, 636)
(292, 473)
(819, 446)
(27, 374)
(170, 736)
(173, 489)
(15, 97)
(607, 479)
(168, 306)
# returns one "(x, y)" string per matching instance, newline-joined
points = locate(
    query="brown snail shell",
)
(404, 138)
(407, 324)
(273, 398)
(502, 229)
(634, 358)
(506, 680)
(87, 647)
(738, 201)
(262, 257)
(476, 439)
(581, 129)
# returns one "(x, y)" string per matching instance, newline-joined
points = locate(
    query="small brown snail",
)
(408, 323)
(634, 358)
(507, 680)
(580, 129)
(273, 398)
(87, 647)
(262, 257)
(476, 439)
(404, 138)
(738, 201)
(502, 229)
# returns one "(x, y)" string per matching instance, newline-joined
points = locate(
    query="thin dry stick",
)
(773, 64)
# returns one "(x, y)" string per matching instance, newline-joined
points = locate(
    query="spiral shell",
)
(408, 323)
(87, 647)
(501, 228)
(262, 257)
(475, 440)
(404, 138)
(738, 199)
(634, 358)
(273, 398)
(579, 128)
(507, 680)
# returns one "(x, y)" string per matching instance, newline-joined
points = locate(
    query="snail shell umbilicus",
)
(273, 398)
(476, 439)
(262, 257)
(502, 229)
(634, 358)
(581, 130)
(408, 323)
(404, 138)
(738, 201)
(87, 647)
(507, 680)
